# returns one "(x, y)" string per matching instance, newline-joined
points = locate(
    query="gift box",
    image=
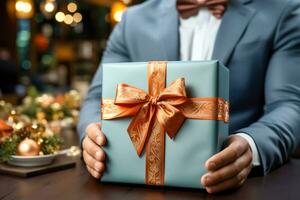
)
(163, 120)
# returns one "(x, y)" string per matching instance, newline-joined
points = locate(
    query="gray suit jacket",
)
(259, 41)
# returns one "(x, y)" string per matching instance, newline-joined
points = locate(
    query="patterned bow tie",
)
(188, 8)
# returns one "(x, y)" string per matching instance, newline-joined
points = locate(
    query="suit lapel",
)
(233, 25)
(168, 33)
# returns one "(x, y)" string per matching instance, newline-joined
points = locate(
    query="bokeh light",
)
(117, 11)
(49, 7)
(72, 7)
(68, 19)
(22, 6)
(60, 16)
(77, 17)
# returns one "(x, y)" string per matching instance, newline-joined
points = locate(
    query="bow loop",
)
(127, 94)
(175, 94)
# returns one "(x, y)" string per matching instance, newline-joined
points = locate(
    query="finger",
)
(229, 171)
(93, 150)
(94, 133)
(92, 163)
(215, 2)
(94, 173)
(231, 183)
(228, 155)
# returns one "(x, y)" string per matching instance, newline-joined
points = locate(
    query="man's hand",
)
(229, 168)
(93, 155)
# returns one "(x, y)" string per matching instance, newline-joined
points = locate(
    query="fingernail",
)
(212, 165)
(99, 140)
(203, 180)
(98, 155)
(97, 166)
(207, 180)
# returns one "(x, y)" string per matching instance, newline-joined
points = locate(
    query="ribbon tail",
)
(140, 126)
(155, 155)
(170, 118)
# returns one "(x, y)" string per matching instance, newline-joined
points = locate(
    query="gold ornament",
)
(55, 106)
(12, 118)
(40, 116)
(73, 99)
(28, 147)
(40, 141)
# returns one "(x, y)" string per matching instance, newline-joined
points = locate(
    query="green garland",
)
(34, 109)
(9, 147)
(51, 144)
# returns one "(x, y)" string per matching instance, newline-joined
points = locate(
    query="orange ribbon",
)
(158, 111)
(5, 130)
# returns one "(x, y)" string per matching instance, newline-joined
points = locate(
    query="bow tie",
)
(188, 8)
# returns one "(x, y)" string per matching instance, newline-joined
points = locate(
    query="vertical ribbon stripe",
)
(155, 150)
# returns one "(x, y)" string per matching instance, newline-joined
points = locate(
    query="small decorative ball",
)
(55, 127)
(28, 147)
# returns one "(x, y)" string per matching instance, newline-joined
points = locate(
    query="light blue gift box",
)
(196, 141)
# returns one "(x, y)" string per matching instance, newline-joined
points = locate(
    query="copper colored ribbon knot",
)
(158, 111)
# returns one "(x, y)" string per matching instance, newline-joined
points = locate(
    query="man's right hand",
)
(93, 154)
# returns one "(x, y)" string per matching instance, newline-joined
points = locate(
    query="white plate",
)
(35, 161)
(32, 161)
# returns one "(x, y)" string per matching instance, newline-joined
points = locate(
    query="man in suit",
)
(259, 41)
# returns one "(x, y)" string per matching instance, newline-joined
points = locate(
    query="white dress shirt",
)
(197, 39)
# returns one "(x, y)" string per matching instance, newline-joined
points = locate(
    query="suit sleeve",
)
(115, 52)
(276, 131)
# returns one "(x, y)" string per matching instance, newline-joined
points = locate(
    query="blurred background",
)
(53, 46)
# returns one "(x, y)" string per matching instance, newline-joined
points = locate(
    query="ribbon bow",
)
(161, 107)
(158, 111)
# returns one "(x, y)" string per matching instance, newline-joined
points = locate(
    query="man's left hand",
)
(229, 168)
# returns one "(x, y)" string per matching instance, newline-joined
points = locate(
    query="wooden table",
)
(73, 184)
